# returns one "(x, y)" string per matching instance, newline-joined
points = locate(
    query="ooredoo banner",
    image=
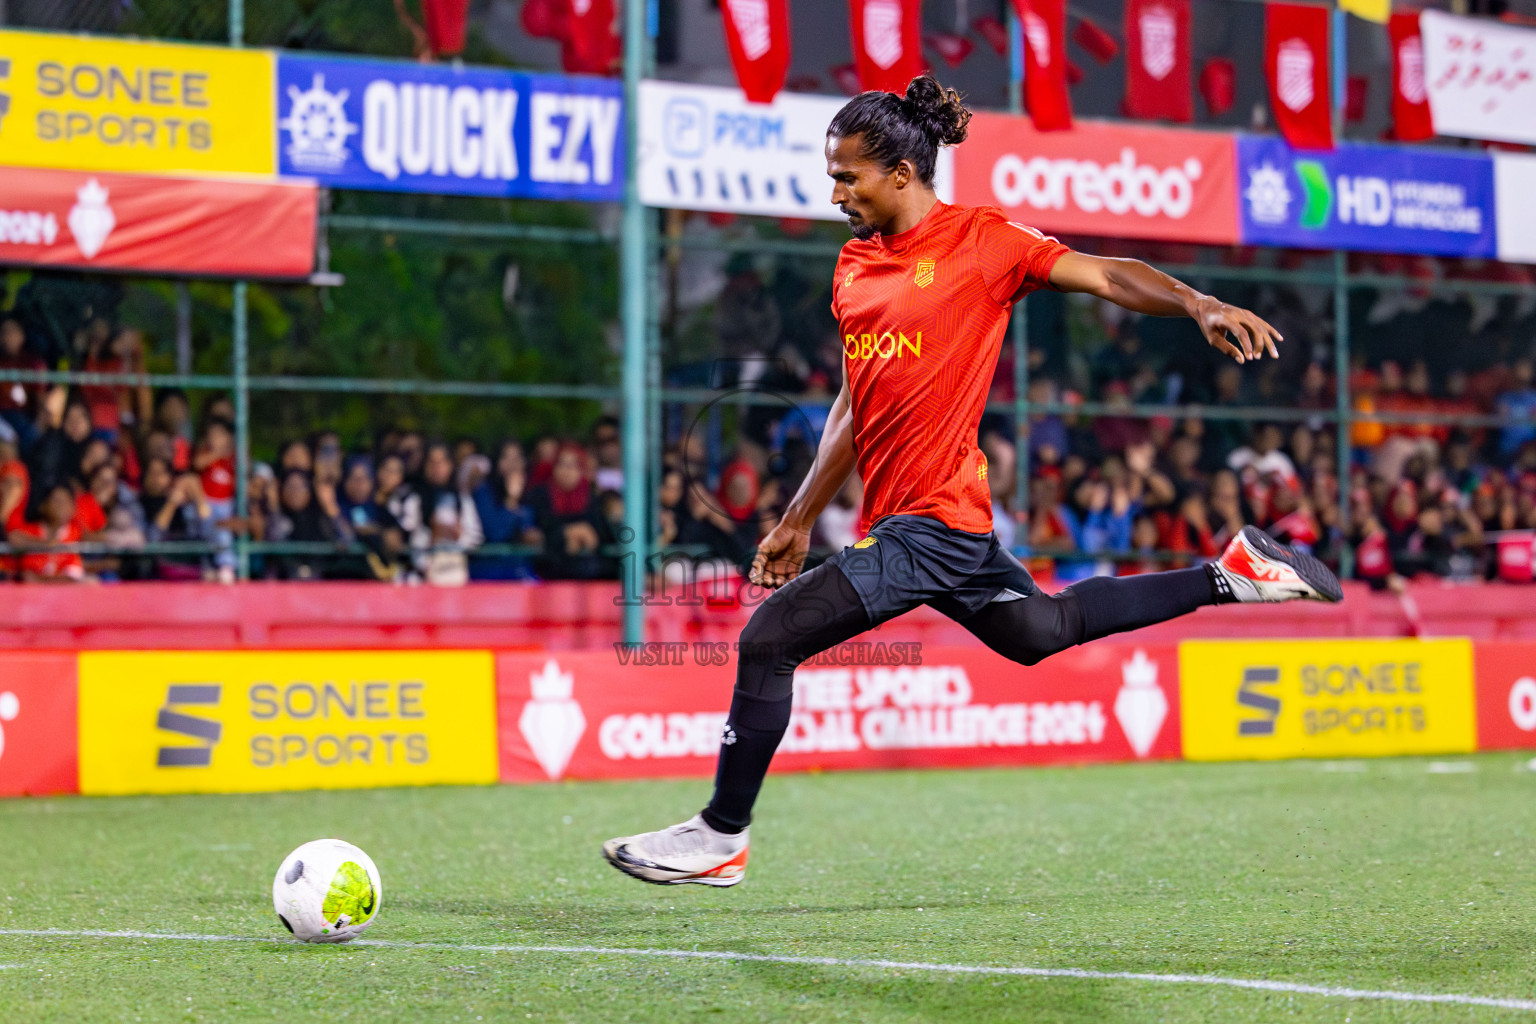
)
(171, 225)
(1102, 179)
(90, 104)
(867, 704)
(1506, 695)
(37, 724)
(1256, 700)
(242, 722)
(394, 126)
(1375, 198)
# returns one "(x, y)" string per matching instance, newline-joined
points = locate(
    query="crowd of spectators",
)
(149, 477)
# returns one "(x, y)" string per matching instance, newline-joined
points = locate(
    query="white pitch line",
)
(1295, 988)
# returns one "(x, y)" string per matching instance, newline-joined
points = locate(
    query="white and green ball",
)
(327, 891)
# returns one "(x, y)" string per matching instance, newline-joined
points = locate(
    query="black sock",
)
(1117, 604)
(1221, 590)
(752, 733)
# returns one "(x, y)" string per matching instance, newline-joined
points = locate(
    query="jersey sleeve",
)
(1013, 256)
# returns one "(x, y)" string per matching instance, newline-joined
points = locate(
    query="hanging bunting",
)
(591, 46)
(1296, 61)
(887, 43)
(757, 35)
(1099, 44)
(1218, 85)
(1045, 63)
(1157, 60)
(445, 24)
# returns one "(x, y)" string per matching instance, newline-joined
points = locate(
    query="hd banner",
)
(660, 710)
(1259, 700)
(89, 104)
(1112, 180)
(1373, 198)
(394, 126)
(150, 224)
(242, 722)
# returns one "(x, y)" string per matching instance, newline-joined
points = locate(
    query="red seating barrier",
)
(585, 616)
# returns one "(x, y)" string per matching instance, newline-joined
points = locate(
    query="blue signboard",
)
(393, 126)
(1372, 198)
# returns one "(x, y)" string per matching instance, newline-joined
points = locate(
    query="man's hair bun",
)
(937, 111)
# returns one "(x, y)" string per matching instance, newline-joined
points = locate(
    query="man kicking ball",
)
(922, 295)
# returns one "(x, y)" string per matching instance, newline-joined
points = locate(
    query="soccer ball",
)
(327, 891)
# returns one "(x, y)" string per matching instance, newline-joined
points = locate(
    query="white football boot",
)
(1256, 567)
(689, 852)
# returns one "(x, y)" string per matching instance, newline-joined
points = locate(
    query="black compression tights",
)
(820, 610)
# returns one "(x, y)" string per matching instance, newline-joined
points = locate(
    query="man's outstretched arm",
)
(1144, 289)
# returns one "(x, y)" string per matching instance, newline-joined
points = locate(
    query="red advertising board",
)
(1115, 180)
(588, 715)
(145, 223)
(1505, 674)
(38, 741)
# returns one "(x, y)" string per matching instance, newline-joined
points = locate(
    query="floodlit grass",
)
(1379, 875)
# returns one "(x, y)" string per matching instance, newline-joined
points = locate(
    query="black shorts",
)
(911, 560)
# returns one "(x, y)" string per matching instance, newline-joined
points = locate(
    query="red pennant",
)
(1045, 63)
(1357, 91)
(1410, 100)
(888, 43)
(1157, 60)
(445, 21)
(1218, 85)
(1296, 60)
(993, 31)
(952, 49)
(1101, 46)
(847, 78)
(757, 34)
(1074, 73)
(544, 19)
(591, 45)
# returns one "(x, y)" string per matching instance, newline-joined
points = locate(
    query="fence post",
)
(240, 328)
(634, 306)
(1343, 406)
(236, 22)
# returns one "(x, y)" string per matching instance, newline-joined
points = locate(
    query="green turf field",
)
(1393, 875)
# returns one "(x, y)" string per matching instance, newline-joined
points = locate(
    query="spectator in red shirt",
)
(19, 402)
(15, 487)
(114, 405)
(214, 462)
(56, 513)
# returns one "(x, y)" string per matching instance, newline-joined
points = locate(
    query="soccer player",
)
(922, 295)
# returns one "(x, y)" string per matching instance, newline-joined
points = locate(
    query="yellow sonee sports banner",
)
(81, 103)
(1257, 700)
(240, 722)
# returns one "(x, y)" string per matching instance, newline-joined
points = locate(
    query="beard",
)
(860, 228)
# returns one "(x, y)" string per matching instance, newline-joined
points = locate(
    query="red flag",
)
(1045, 63)
(888, 43)
(1101, 46)
(1410, 101)
(1157, 60)
(993, 31)
(591, 45)
(445, 24)
(757, 34)
(543, 18)
(1218, 85)
(952, 49)
(1296, 60)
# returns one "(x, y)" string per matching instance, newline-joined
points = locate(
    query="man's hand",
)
(780, 556)
(1217, 319)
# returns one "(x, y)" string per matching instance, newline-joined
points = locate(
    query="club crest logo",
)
(1039, 35)
(552, 721)
(882, 32)
(751, 18)
(924, 276)
(317, 127)
(1293, 74)
(91, 219)
(1159, 36)
(10, 707)
(1410, 69)
(1140, 706)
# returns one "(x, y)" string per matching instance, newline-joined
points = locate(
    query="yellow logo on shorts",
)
(865, 543)
(981, 471)
(924, 276)
(849, 279)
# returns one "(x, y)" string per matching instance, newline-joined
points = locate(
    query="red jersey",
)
(53, 564)
(219, 479)
(922, 316)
